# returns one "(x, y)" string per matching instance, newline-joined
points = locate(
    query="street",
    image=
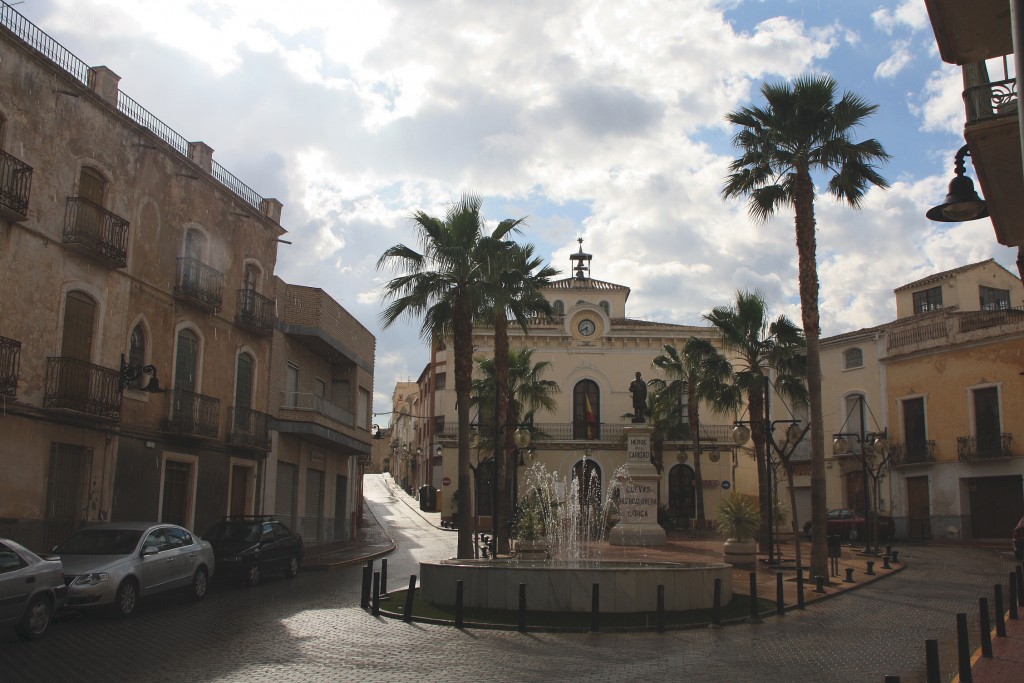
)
(311, 629)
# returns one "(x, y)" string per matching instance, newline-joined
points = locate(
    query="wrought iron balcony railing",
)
(250, 428)
(988, 100)
(581, 431)
(255, 312)
(15, 186)
(199, 283)
(911, 454)
(84, 387)
(10, 357)
(193, 413)
(96, 232)
(305, 401)
(984, 446)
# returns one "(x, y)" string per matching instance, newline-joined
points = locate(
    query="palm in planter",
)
(739, 520)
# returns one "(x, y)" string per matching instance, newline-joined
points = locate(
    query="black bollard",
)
(819, 584)
(800, 588)
(522, 608)
(885, 562)
(931, 661)
(780, 596)
(892, 679)
(375, 610)
(871, 568)
(849, 575)
(1000, 614)
(1020, 586)
(716, 605)
(661, 608)
(985, 627)
(595, 608)
(888, 550)
(755, 616)
(409, 595)
(895, 554)
(384, 579)
(1013, 596)
(963, 648)
(364, 596)
(458, 604)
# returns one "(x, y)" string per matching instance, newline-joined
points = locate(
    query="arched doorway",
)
(682, 502)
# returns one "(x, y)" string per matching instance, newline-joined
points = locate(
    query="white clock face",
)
(586, 327)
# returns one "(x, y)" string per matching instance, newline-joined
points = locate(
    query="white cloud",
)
(910, 14)
(897, 61)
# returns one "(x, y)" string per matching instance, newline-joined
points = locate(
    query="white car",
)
(31, 590)
(117, 564)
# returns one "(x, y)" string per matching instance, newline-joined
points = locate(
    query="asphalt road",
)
(312, 629)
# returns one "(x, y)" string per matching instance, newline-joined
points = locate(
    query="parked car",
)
(117, 564)
(31, 590)
(249, 547)
(1017, 538)
(849, 525)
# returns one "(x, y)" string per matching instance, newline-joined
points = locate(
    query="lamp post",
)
(130, 373)
(870, 444)
(962, 202)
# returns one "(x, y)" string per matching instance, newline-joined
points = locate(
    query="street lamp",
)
(962, 202)
(871, 444)
(130, 373)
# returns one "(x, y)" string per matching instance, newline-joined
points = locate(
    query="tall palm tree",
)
(761, 346)
(441, 283)
(699, 373)
(804, 130)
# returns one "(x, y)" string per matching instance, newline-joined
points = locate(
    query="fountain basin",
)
(567, 586)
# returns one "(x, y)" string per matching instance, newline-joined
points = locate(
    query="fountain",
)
(578, 557)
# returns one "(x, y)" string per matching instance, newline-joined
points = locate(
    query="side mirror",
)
(150, 550)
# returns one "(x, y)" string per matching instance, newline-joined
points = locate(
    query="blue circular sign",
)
(726, 484)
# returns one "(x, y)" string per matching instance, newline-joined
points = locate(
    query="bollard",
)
(409, 595)
(595, 607)
(1020, 586)
(885, 562)
(985, 627)
(892, 679)
(661, 608)
(800, 588)
(364, 596)
(849, 575)
(384, 579)
(1013, 596)
(780, 597)
(458, 604)
(522, 608)
(755, 617)
(963, 648)
(375, 610)
(888, 550)
(895, 554)
(716, 605)
(819, 584)
(871, 568)
(931, 661)
(1000, 614)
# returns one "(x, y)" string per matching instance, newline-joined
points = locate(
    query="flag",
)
(591, 419)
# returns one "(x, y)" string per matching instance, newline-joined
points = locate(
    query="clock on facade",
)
(586, 327)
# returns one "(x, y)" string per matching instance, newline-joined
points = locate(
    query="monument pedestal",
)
(638, 493)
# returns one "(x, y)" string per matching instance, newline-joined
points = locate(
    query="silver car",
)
(117, 564)
(31, 590)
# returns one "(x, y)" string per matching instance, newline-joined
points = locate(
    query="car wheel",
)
(199, 583)
(127, 598)
(293, 567)
(254, 576)
(36, 620)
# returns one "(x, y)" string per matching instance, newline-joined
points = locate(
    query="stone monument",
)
(637, 485)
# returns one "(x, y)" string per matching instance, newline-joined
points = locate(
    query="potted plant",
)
(530, 541)
(739, 521)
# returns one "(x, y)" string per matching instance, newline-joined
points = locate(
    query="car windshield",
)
(248, 532)
(101, 542)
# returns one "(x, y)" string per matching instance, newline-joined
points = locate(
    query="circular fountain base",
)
(567, 587)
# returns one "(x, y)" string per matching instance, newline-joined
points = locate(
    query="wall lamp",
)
(130, 373)
(962, 202)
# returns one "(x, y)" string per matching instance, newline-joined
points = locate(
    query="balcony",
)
(984, 447)
(249, 428)
(82, 387)
(10, 357)
(606, 432)
(199, 284)
(902, 455)
(193, 414)
(255, 312)
(972, 31)
(95, 232)
(15, 186)
(318, 405)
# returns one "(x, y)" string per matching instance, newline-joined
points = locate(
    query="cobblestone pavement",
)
(311, 629)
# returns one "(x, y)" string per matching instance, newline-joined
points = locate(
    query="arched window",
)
(92, 185)
(137, 355)
(251, 277)
(558, 307)
(853, 358)
(243, 381)
(586, 411)
(607, 308)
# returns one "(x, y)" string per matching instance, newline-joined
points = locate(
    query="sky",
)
(600, 119)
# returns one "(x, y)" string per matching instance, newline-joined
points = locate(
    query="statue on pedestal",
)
(638, 388)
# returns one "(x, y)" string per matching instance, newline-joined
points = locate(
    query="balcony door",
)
(987, 427)
(243, 391)
(914, 430)
(73, 378)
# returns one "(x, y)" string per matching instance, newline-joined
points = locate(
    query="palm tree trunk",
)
(794, 522)
(462, 340)
(756, 404)
(698, 486)
(806, 245)
(499, 506)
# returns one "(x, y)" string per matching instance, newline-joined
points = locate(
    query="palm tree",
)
(804, 130)
(761, 346)
(442, 284)
(699, 373)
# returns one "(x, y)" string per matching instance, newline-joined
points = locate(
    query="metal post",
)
(458, 604)
(1013, 596)
(522, 608)
(849, 575)
(716, 606)
(384, 579)
(931, 661)
(376, 595)
(595, 607)
(871, 568)
(819, 584)
(780, 598)
(755, 614)
(364, 596)
(985, 628)
(661, 608)
(864, 472)
(1020, 585)
(1000, 613)
(409, 596)
(963, 648)
(800, 588)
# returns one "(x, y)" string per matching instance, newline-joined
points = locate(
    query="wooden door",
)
(918, 508)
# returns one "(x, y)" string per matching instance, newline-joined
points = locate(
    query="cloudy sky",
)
(601, 119)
